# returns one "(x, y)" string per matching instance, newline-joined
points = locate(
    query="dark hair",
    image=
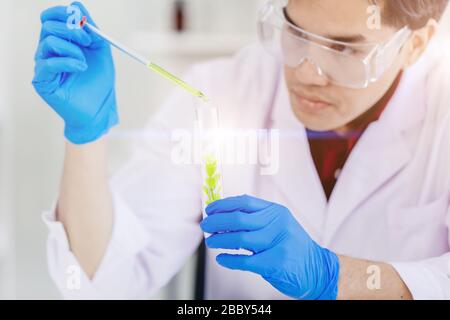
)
(412, 13)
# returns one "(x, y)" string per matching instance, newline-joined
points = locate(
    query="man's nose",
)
(308, 73)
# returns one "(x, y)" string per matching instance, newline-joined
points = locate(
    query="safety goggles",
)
(353, 65)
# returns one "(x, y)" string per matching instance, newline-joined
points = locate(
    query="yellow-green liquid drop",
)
(166, 74)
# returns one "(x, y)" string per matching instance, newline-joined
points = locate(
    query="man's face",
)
(317, 103)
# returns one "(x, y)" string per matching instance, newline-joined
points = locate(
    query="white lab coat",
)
(391, 202)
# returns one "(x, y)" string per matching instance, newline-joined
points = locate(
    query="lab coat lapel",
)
(383, 150)
(379, 155)
(297, 179)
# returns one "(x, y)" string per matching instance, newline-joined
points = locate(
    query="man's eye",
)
(296, 33)
(338, 47)
(342, 48)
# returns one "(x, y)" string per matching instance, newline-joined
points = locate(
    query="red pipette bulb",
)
(83, 21)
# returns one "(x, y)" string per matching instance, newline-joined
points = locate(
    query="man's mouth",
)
(309, 103)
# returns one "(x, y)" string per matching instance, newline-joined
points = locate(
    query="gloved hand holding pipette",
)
(75, 75)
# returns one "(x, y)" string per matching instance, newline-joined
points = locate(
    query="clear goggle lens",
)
(348, 65)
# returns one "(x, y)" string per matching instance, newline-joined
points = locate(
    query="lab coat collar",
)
(383, 151)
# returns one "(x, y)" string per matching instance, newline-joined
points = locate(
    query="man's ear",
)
(419, 42)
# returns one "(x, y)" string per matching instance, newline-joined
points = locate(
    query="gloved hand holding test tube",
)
(151, 65)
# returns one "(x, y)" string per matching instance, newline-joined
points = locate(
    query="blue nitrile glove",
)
(283, 253)
(75, 75)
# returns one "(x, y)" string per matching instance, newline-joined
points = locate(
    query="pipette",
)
(151, 65)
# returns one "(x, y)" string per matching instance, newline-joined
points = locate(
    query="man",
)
(359, 207)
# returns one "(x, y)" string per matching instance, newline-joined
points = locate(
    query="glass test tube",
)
(210, 153)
